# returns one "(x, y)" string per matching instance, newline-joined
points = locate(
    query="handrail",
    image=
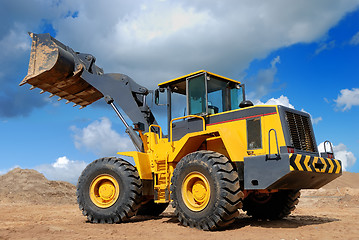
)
(276, 139)
(331, 146)
(188, 116)
(154, 125)
(150, 135)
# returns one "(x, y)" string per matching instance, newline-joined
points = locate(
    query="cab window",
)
(254, 136)
(236, 96)
(216, 95)
(197, 94)
(210, 95)
(223, 95)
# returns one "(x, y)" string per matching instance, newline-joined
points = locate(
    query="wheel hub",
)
(196, 191)
(104, 191)
(199, 191)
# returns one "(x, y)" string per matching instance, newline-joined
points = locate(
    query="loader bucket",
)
(54, 69)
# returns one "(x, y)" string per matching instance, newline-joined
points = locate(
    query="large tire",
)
(151, 208)
(109, 190)
(271, 206)
(205, 191)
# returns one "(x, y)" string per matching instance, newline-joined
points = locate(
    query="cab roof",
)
(179, 84)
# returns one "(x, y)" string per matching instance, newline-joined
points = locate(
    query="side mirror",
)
(157, 96)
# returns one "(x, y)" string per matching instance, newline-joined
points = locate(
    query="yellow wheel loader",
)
(223, 155)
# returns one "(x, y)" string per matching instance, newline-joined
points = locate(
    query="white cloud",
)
(17, 39)
(62, 169)
(275, 61)
(316, 120)
(154, 41)
(263, 81)
(61, 162)
(355, 39)
(341, 153)
(99, 137)
(282, 100)
(347, 98)
(325, 46)
(159, 40)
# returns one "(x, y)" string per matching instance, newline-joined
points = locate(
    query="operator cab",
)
(206, 93)
(200, 93)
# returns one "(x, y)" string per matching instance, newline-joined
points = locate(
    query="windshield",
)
(236, 96)
(197, 94)
(221, 95)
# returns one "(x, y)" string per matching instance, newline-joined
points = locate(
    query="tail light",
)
(290, 149)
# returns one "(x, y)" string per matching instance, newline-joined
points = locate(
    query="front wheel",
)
(205, 191)
(109, 190)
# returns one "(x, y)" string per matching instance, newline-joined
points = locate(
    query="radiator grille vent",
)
(300, 131)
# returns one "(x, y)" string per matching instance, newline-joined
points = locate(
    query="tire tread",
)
(121, 213)
(230, 195)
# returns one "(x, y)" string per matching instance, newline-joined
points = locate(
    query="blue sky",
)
(300, 54)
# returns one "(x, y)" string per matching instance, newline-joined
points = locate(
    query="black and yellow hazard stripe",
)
(308, 163)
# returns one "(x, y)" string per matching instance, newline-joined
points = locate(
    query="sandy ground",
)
(328, 213)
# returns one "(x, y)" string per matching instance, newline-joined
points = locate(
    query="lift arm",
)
(56, 68)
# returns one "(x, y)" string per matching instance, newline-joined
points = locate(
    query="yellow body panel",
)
(228, 137)
(142, 161)
(226, 134)
(234, 136)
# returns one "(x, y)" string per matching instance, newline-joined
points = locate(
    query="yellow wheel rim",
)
(104, 191)
(196, 191)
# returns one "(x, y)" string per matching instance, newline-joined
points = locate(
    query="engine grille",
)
(300, 131)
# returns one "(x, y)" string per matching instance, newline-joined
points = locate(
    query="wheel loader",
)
(221, 156)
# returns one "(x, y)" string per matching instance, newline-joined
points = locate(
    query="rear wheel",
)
(109, 190)
(272, 205)
(205, 191)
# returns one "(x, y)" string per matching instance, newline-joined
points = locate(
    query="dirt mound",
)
(342, 192)
(30, 186)
(348, 179)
